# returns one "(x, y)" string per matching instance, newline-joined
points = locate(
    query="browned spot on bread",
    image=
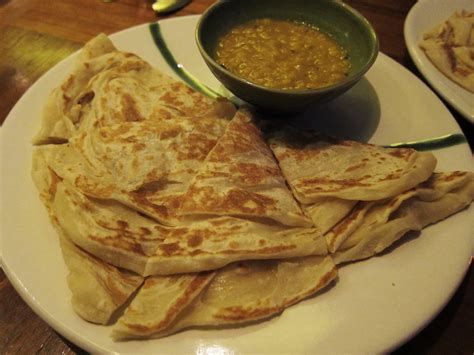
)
(161, 114)
(268, 250)
(194, 240)
(119, 242)
(205, 198)
(145, 231)
(171, 99)
(139, 197)
(87, 206)
(311, 185)
(253, 174)
(91, 188)
(219, 222)
(197, 147)
(138, 147)
(170, 248)
(171, 133)
(67, 99)
(212, 174)
(133, 65)
(392, 176)
(122, 224)
(452, 176)
(403, 153)
(239, 314)
(86, 98)
(355, 167)
(450, 55)
(68, 83)
(111, 133)
(53, 185)
(112, 285)
(129, 111)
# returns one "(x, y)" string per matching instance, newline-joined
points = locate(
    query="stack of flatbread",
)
(450, 47)
(177, 211)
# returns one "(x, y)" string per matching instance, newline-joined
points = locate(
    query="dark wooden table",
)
(36, 34)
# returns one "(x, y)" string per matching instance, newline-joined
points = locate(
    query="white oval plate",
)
(375, 305)
(423, 16)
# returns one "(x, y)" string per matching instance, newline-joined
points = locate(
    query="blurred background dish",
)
(423, 16)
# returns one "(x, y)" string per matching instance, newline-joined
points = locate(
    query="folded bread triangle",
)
(240, 177)
(125, 238)
(374, 226)
(98, 289)
(316, 166)
(330, 176)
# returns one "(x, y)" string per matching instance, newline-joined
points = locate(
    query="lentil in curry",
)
(283, 54)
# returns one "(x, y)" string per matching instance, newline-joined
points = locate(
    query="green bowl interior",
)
(344, 24)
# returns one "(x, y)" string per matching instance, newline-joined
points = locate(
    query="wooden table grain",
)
(36, 34)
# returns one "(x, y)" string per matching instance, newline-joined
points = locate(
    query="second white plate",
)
(423, 16)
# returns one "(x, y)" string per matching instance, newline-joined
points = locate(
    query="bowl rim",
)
(303, 92)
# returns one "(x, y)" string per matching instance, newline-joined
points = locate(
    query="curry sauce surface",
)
(282, 54)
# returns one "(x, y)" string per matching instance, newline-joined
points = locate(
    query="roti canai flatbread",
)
(239, 293)
(108, 86)
(127, 239)
(125, 151)
(144, 165)
(316, 166)
(240, 177)
(98, 289)
(128, 131)
(111, 176)
(248, 291)
(363, 235)
(328, 211)
(329, 176)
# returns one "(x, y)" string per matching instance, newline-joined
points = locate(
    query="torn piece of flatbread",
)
(240, 293)
(98, 289)
(450, 47)
(240, 177)
(108, 86)
(372, 227)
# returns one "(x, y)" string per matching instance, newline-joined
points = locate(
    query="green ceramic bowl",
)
(349, 28)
